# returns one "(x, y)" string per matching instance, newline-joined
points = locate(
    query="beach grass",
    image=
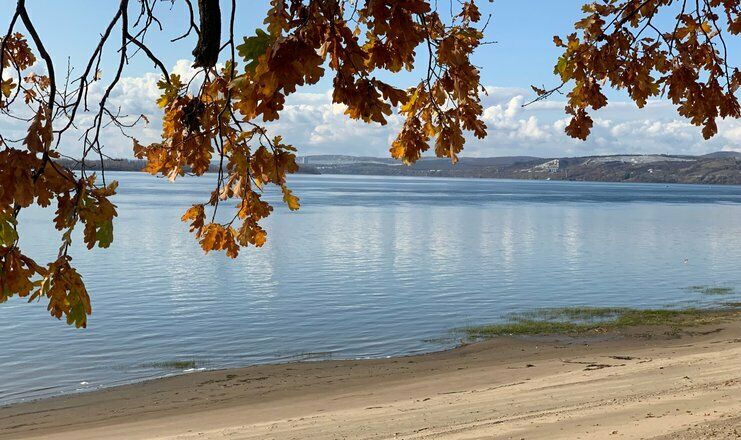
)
(174, 365)
(581, 320)
(713, 290)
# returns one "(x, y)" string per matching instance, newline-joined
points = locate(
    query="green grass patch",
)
(713, 290)
(579, 320)
(174, 365)
(571, 314)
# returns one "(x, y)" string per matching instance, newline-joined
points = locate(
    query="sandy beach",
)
(638, 383)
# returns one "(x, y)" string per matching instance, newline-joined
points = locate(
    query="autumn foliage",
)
(622, 44)
(222, 117)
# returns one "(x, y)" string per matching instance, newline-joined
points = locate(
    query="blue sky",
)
(524, 51)
(523, 55)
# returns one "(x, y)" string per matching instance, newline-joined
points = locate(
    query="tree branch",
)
(206, 52)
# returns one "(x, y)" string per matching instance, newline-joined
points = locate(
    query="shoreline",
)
(476, 178)
(534, 387)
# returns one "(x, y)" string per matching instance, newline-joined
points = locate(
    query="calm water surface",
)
(370, 267)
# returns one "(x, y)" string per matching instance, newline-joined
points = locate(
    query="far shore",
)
(637, 381)
(504, 179)
(719, 168)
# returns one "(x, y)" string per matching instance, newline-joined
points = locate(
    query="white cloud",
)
(315, 125)
(621, 127)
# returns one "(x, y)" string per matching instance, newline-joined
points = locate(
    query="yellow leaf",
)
(290, 199)
(7, 86)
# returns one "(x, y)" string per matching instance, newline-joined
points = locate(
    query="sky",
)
(521, 54)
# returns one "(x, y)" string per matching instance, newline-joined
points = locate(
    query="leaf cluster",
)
(31, 174)
(620, 43)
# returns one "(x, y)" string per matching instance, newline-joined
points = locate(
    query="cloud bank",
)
(315, 125)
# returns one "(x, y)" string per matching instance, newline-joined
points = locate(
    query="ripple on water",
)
(370, 267)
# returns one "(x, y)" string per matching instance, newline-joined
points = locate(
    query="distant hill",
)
(424, 163)
(715, 168)
(138, 165)
(722, 167)
(723, 155)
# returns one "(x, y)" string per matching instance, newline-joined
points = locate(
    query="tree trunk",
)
(206, 52)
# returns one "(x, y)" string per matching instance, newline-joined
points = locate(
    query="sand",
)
(611, 386)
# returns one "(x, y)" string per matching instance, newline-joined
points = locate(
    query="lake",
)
(369, 267)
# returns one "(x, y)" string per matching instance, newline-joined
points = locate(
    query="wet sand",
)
(639, 383)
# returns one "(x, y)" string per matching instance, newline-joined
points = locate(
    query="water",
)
(370, 267)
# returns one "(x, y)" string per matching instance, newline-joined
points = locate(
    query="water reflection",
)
(368, 267)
